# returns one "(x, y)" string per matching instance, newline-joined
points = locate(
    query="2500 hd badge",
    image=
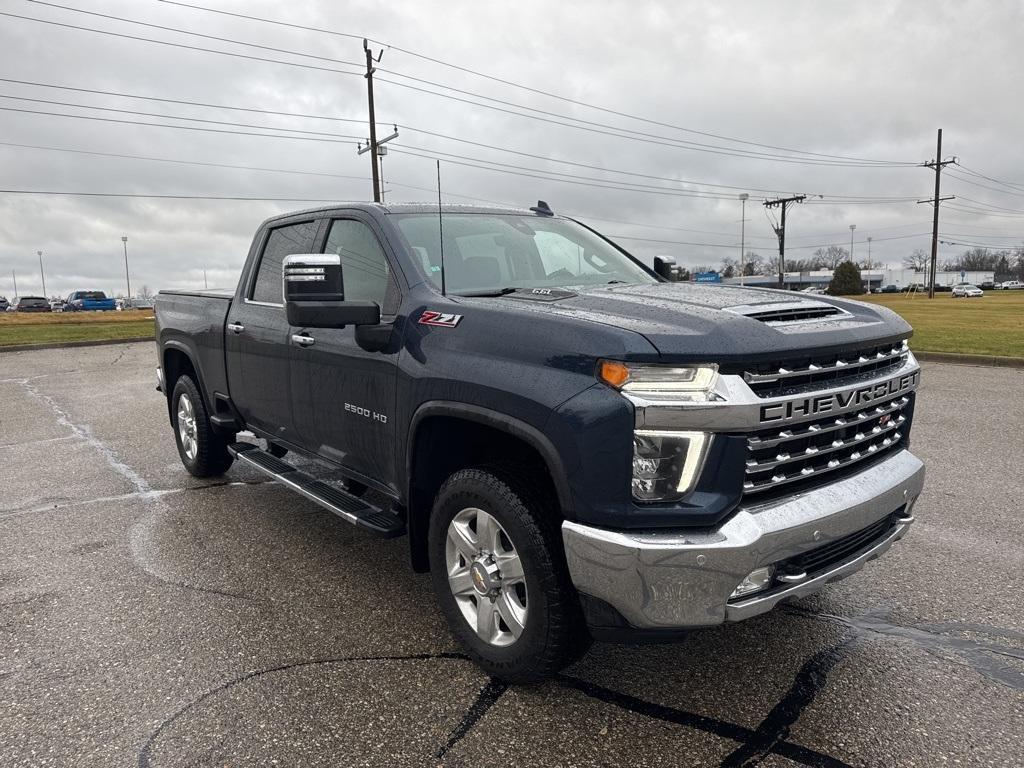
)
(839, 401)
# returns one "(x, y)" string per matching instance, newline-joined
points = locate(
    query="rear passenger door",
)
(256, 338)
(343, 393)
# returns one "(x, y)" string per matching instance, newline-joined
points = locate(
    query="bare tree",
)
(770, 266)
(917, 261)
(830, 257)
(752, 264)
(145, 293)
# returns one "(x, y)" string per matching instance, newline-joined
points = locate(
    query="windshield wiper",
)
(489, 292)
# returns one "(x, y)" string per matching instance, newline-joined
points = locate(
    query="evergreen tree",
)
(846, 281)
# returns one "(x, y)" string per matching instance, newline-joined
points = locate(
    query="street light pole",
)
(42, 277)
(852, 227)
(869, 265)
(743, 236)
(127, 277)
(14, 277)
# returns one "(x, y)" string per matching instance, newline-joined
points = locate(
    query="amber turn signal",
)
(613, 373)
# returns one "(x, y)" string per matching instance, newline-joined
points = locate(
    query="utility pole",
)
(743, 236)
(381, 151)
(852, 227)
(14, 277)
(42, 277)
(938, 164)
(781, 230)
(370, 69)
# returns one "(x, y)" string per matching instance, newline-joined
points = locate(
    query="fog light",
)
(757, 580)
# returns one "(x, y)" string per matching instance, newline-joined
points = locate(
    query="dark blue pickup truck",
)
(575, 446)
(89, 301)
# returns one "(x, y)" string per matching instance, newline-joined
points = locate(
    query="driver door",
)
(343, 394)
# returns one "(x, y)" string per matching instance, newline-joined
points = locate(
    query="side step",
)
(344, 505)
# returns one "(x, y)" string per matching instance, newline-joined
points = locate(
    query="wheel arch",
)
(427, 469)
(177, 360)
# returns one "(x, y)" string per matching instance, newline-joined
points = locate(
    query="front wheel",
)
(203, 452)
(500, 577)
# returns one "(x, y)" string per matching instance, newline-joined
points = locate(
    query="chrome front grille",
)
(778, 458)
(825, 371)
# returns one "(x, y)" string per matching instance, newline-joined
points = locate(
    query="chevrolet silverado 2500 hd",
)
(574, 446)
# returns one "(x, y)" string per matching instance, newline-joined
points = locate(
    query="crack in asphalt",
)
(973, 654)
(486, 699)
(721, 728)
(145, 753)
(770, 738)
(775, 728)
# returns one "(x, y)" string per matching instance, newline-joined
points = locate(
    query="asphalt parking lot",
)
(147, 618)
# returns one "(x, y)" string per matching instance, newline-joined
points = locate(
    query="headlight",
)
(666, 464)
(686, 384)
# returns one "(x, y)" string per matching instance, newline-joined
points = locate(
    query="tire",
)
(552, 632)
(203, 452)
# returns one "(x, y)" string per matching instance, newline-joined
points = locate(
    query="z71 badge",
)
(441, 319)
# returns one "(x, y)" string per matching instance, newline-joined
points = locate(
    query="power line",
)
(179, 127)
(169, 117)
(182, 162)
(170, 197)
(980, 175)
(194, 34)
(405, 126)
(182, 101)
(503, 203)
(178, 45)
(587, 125)
(733, 245)
(520, 85)
(621, 134)
(568, 179)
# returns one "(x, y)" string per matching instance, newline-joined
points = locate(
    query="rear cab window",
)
(283, 241)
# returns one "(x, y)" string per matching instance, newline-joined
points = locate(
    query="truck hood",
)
(691, 321)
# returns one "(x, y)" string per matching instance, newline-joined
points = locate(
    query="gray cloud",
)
(869, 80)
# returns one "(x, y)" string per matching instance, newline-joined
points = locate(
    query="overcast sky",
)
(869, 80)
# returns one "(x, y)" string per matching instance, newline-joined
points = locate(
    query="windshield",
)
(489, 252)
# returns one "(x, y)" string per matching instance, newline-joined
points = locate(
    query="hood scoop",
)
(788, 312)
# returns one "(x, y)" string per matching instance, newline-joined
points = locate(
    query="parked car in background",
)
(89, 301)
(4, 304)
(814, 291)
(1012, 285)
(890, 289)
(57, 305)
(31, 304)
(967, 291)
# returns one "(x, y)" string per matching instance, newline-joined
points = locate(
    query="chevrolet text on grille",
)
(838, 401)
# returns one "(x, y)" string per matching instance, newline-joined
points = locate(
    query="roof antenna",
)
(440, 227)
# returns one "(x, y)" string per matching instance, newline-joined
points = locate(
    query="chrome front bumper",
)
(677, 579)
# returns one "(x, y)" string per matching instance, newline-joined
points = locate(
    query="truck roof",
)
(379, 208)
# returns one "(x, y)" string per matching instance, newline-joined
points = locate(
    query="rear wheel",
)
(499, 575)
(203, 452)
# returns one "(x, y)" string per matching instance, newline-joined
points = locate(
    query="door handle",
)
(303, 340)
(236, 327)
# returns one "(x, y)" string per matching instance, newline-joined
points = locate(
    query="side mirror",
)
(314, 294)
(665, 266)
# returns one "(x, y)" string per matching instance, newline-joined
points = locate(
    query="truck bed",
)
(194, 320)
